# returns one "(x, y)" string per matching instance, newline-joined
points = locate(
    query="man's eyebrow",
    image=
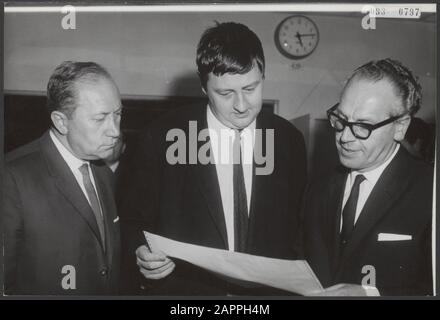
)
(364, 120)
(220, 90)
(105, 113)
(253, 84)
(339, 113)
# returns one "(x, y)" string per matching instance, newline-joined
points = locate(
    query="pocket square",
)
(116, 219)
(393, 237)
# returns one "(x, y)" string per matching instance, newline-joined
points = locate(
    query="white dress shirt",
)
(222, 140)
(74, 164)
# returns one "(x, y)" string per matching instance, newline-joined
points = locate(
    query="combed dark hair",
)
(228, 48)
(407, 86)
(61, 86)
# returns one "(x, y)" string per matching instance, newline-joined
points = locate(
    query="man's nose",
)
(239, 103)
(346, 135)
(114, 127)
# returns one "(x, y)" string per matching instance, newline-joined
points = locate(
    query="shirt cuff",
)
(371, 291)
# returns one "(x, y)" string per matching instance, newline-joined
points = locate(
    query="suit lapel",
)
(67, 184)
(207, 180)
(385, 193)
(335, 197)
(260, 183)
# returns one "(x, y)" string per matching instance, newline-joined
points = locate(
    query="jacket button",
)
(103, 272)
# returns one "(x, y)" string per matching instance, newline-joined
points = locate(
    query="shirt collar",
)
(73, 162)
(374, 175)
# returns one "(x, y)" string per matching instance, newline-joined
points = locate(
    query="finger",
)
(145, 255)
(335, 287)
(154, 276)
(162, 270)
(152, 265)
(321, 294)
(315, 293)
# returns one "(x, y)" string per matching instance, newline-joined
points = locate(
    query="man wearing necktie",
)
(227, 203)
(367, 226)
(61, 226)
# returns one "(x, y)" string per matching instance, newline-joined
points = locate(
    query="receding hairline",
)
(88, 82)
(359, 78)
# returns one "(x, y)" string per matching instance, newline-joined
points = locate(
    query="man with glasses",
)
(367, 227)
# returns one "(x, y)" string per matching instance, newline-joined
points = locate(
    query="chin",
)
(94, 156)
(242, 123)
(349, 163)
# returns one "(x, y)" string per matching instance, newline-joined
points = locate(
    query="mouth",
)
(241, 115)
(347, 150)
(109, 146)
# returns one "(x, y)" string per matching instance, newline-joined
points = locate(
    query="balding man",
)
(61, 226)
(368, 225)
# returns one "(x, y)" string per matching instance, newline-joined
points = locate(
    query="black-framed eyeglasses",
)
(359, 129)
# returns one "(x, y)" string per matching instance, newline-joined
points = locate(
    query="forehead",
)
(233, 81)
(368, 99)
(97, 96)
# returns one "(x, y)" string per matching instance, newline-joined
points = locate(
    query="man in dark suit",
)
(368, 225)
(61, 227)
(243, 205)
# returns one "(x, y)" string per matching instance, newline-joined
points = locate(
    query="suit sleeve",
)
(13, 231)
(137, 195)
(299, 182)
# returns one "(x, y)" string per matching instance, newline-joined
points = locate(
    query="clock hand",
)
(298, 35)
(307, 35)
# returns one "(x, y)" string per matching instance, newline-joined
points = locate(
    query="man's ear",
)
(402, 125)
(59, 120)
(201, 83)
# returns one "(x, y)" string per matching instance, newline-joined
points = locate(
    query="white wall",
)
(154, 53)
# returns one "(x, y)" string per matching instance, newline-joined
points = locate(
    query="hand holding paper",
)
(153, 265)
(290, 275)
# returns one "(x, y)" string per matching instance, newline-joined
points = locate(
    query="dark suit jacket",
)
(400, 203)
(50, 224)
(183, 201)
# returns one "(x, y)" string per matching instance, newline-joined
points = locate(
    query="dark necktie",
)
(240, 199)
(349, 212)
(94, 202)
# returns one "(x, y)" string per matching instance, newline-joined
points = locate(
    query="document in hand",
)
(290, 275)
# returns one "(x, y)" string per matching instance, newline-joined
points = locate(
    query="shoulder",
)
(332, 179)
(270, 120)
(418, 171)
(24, 156)
(25, 165)
(284, 130)
(178, 119)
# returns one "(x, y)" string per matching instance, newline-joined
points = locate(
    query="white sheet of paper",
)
(290, 275)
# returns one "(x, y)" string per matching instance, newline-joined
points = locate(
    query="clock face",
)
(296, 37)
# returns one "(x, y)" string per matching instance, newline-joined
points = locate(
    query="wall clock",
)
(296, 37)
